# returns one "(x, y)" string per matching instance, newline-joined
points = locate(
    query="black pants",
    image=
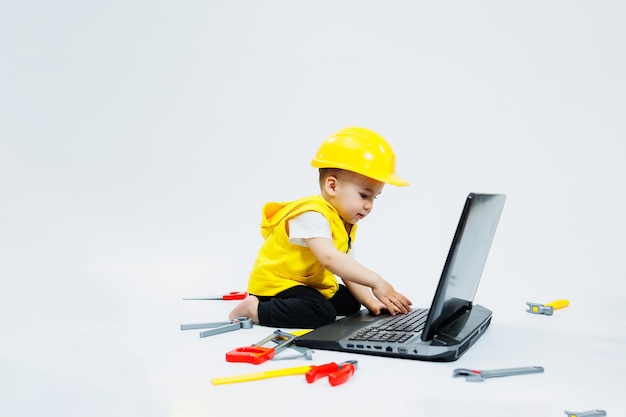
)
(304, 307)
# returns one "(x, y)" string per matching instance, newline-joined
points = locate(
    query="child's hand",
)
(374, 306)
(393, 301)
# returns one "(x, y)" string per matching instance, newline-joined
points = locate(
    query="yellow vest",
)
(281, 265)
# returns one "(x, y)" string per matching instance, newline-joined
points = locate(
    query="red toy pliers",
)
(337, 373)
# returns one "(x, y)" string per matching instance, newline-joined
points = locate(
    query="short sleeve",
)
(308, 225)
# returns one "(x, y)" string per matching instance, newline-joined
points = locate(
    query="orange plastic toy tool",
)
(257, 353)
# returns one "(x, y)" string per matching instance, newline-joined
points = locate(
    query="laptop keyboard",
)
(399, 328)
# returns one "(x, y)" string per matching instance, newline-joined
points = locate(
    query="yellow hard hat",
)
(359, 150)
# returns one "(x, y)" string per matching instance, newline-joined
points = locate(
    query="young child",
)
(293, 283)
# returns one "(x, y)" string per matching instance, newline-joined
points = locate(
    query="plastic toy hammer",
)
(547, 309)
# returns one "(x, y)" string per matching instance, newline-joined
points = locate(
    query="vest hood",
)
(274, 213)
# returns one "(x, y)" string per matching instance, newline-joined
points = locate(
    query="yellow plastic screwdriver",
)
(255, 376)
(556, 304)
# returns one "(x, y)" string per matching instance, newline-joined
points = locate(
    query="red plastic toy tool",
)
(233, 295)
(337, 373)
(257, 353)
(251, 354)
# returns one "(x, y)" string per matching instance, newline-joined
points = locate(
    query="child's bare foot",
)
(246, 308)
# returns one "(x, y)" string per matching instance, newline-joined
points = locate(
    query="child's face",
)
(353, 195)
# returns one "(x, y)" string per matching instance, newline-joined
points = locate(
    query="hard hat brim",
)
(391, 179)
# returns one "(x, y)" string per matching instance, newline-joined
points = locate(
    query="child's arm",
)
(349, 269)
(364, 295)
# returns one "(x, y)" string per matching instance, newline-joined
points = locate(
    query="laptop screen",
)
(465, 262)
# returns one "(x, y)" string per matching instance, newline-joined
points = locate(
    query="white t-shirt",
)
(307, 225)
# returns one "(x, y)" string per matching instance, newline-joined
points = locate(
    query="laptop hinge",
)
(463, 327)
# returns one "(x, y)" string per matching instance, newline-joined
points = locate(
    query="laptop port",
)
(389, 349)
(378, 347)
(402, 350)
(359, 346)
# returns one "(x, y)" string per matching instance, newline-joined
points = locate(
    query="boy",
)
(307, 244)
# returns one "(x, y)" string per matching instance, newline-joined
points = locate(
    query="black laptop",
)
(451, 325)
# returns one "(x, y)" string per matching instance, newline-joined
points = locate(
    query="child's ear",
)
(330, 185)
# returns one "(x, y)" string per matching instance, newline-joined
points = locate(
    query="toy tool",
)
(547, 309)
(233, 295)
(258, 353)
(219, 327)
(301, 354)
(591, 413)
(337, 373)
(473, 375)
(299, 370)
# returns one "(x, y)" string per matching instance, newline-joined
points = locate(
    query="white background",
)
(139, 140)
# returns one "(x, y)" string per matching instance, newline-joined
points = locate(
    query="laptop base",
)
(449, 343)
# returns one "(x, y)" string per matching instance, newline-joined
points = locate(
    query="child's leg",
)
(298, 307)
(344, 302)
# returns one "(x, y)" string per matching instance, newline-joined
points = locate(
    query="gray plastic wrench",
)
(591, 413)
(473, 375)
(220, 327)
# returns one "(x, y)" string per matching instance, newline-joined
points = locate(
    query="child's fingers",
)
(403, 304)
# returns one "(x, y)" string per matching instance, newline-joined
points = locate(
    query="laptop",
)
(451, 325)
